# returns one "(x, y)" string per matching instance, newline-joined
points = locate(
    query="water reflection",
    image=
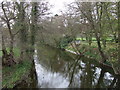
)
(49, 79)
(60, 69)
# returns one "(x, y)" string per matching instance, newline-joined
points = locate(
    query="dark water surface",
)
(60, 69)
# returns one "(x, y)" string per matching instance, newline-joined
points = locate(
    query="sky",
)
(59, 5)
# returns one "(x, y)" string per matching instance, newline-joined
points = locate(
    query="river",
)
(60, 69)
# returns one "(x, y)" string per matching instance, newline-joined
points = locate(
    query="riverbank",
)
(92, 52)
(13, 75)
(18, 75)
(61, 66)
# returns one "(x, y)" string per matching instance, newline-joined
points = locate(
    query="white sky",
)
(59, 5)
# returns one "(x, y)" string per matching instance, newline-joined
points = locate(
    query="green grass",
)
(0, 53)
(93, 39)
(13, 74)
(80, 38)
(15, 50)
(93, 52)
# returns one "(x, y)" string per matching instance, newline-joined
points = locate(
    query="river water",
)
(60, 69)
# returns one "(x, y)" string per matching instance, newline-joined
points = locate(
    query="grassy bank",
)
(16, 73)
(13, 75)
(93, 52)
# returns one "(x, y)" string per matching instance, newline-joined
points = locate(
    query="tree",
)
(7, 19)
(118, 32)
(22, 27)
(92, 12)
(34, 24)
(8, 58)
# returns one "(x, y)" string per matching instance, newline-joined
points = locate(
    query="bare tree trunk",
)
(100, 78)
(100, 48)
(23, 31)
(3, 50)
(9, 29)
(98, 43)
(11, 45)
(95, 24)
(119, 33)
(9, 58)
(34, 17)
(11, 36)
(97, 34)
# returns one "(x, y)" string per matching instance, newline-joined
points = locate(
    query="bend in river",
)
(60, 69)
